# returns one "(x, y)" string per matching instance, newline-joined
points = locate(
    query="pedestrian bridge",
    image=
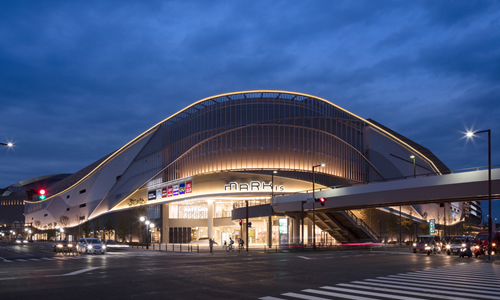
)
(455, 187)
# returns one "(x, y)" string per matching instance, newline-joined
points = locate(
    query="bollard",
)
(180, 247)
(198, 248)
(153, 246)
(173, 246)
(276, 248)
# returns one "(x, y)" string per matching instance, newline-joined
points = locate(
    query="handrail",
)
(360, 222)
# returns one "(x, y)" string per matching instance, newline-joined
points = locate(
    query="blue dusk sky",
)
(79, 79)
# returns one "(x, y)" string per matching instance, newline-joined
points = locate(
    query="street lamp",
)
(61, 230)
(272, 184)
(314, 210)
(151, 225)
(470, 134)
(147, 222)
(414, 168)
(9, 144)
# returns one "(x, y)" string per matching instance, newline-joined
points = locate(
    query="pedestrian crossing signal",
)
(41, 194)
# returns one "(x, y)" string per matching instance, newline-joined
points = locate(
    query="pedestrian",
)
(211, 243)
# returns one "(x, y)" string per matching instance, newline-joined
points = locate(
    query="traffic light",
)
(41, 194)
(321, 201)
(241, 222)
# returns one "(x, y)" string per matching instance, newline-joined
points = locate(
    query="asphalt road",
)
(35, 273)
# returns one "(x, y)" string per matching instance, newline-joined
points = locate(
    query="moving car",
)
(454, 246)
(90, 245)
(21, 241)
(482, 239)
(114, 245)
(62, 246)
(428, 244)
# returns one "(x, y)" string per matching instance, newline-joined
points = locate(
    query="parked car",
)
(21, 240)
(428, 244)
(62, 246)
(90, 245)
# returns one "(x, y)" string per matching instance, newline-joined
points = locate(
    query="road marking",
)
(307, 297)
(358, 292)
(270, 298)
(304, 257)
(34, 259)
(7, 278)
(75, 273)
(395, 290)
(20, 259)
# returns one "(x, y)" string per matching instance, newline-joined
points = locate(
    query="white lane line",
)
(398, 292)
(7, 278)
(358, 292)
(34, 259)
(20, 259)
(46, 258)
(270, 298)
(304, 257)
(300, 296)
(75, 273)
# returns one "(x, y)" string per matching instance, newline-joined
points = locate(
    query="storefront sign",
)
(182, 189)
(176, 190)
(432, 226)
(170, 191)
(151, 195)
(158, 193)
(253, 186)
(164, 192)
(189, 187)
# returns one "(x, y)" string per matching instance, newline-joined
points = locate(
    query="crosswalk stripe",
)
(359, 292)
(270, 298)
(399, 292)
(46, 258)
(435, 282)
(399, 286)
(34, 259)
(20, 259)
(307, 297)
(7, 261)
(456, 278)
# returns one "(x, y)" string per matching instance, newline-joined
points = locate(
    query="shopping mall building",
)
(222, 152)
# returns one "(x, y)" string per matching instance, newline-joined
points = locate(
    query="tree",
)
(424, 225)
(64, 221)
(122, 230)
(78, 217)
(97, 227)
(392, 224)
(138, 211)
(408, 224)
(86, 229)
(108, 228)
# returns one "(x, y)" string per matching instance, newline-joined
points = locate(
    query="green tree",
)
(425, 224)
(108, 228)
(392, 224)
(407, 223)
(123, 229)
(86, 229)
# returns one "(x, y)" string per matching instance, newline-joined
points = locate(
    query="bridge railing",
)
(389, 179)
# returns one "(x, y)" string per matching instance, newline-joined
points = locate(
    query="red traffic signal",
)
(41, 194)
(321, 201)
(241, 221)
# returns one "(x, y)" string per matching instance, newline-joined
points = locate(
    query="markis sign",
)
(171, 191)
(253, 186)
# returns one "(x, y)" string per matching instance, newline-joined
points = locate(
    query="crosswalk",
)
(459, 282)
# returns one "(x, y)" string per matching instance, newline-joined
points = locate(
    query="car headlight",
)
(70, 245)
(90, 246)
(463, 245)
(426, 245)
(477, 247)
(103, 247)
(427, 248)
(18, 241)
(27, 242)
(493, 244)
(59, 246)
(414, 244)
(448, 246)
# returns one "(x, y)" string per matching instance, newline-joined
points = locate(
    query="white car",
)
(90, 245)
(21, 241)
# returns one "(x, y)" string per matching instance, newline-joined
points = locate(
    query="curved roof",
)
(300, 96)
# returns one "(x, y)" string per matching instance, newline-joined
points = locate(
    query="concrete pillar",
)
(296, 230)
(309, 231)
(270, 231)
(164, 223)
(210, 218)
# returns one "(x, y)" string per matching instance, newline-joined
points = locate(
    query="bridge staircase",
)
(344, 226)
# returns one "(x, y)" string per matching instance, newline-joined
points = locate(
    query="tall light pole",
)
(147, 233)
(470, 135)
(414, 166)
(272, 184)
(314, 210)
(9, 144)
